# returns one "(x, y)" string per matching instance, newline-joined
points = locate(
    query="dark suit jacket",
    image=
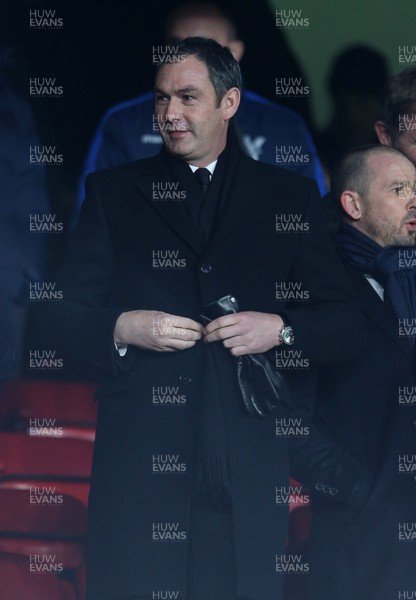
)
(109, 269)
(366, 410)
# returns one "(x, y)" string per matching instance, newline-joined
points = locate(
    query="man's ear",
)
(230, 102)
(383, 135)
(237, 49)
(351, 203)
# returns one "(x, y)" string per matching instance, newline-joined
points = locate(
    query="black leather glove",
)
(262, 387)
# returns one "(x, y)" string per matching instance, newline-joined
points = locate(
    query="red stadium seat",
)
(19, 583)
(22, 455)
(29, 461)
(51, 535)
(38, 403)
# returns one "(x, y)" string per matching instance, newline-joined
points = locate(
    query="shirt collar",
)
(210, 167)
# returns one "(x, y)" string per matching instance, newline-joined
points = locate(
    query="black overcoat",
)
(270, 232)
(365, 546)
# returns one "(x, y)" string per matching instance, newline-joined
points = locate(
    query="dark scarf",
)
(203, 211)
(394, 267)
(212, 476)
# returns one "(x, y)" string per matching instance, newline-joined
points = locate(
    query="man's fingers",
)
(179, 333)
(183, 322)
(239, 351)
(225, 321)
(224, 334)
(174, 345)
(177, 328)
(190, 324)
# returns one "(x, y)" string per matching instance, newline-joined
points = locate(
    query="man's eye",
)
(404, 190)
(188, 98)
(161, 99)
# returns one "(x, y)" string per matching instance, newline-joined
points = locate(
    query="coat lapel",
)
(168, 198)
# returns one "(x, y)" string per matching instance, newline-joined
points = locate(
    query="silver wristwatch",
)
(286, 335)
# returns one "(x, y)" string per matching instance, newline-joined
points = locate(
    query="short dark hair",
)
(351, 172)
(398, 97)
(224, 71)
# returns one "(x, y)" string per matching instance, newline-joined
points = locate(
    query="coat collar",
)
(236, 194)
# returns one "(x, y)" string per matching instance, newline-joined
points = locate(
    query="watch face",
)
(288, 337)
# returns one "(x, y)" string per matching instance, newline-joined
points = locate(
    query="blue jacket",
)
(23, 254)
(270, 132)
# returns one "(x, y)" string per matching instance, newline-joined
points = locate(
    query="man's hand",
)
(155, 330)
(245, 332)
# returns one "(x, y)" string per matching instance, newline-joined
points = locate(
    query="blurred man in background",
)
(23, 249)
(355, 82)
(397, 124)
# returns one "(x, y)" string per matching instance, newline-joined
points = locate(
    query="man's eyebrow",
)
(406, 184)
(401, 182)
(185, 90)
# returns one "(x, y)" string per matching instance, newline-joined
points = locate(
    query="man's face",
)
(406, 142)
(389, 207)
(191, 124)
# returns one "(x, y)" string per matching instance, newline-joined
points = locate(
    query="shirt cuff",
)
(121, 348)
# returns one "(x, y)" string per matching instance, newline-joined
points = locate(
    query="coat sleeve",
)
(327, 331)
(324, 468)
(327, 327)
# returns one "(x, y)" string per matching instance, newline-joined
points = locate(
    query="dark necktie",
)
(203, 176)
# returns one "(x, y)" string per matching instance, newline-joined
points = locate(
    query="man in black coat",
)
(183, 494)
(365, 547)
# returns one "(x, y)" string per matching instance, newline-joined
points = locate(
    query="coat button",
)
(185, 379)
(206, 269)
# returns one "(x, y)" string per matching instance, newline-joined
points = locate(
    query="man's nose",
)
(411, 203)
(173, 110)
